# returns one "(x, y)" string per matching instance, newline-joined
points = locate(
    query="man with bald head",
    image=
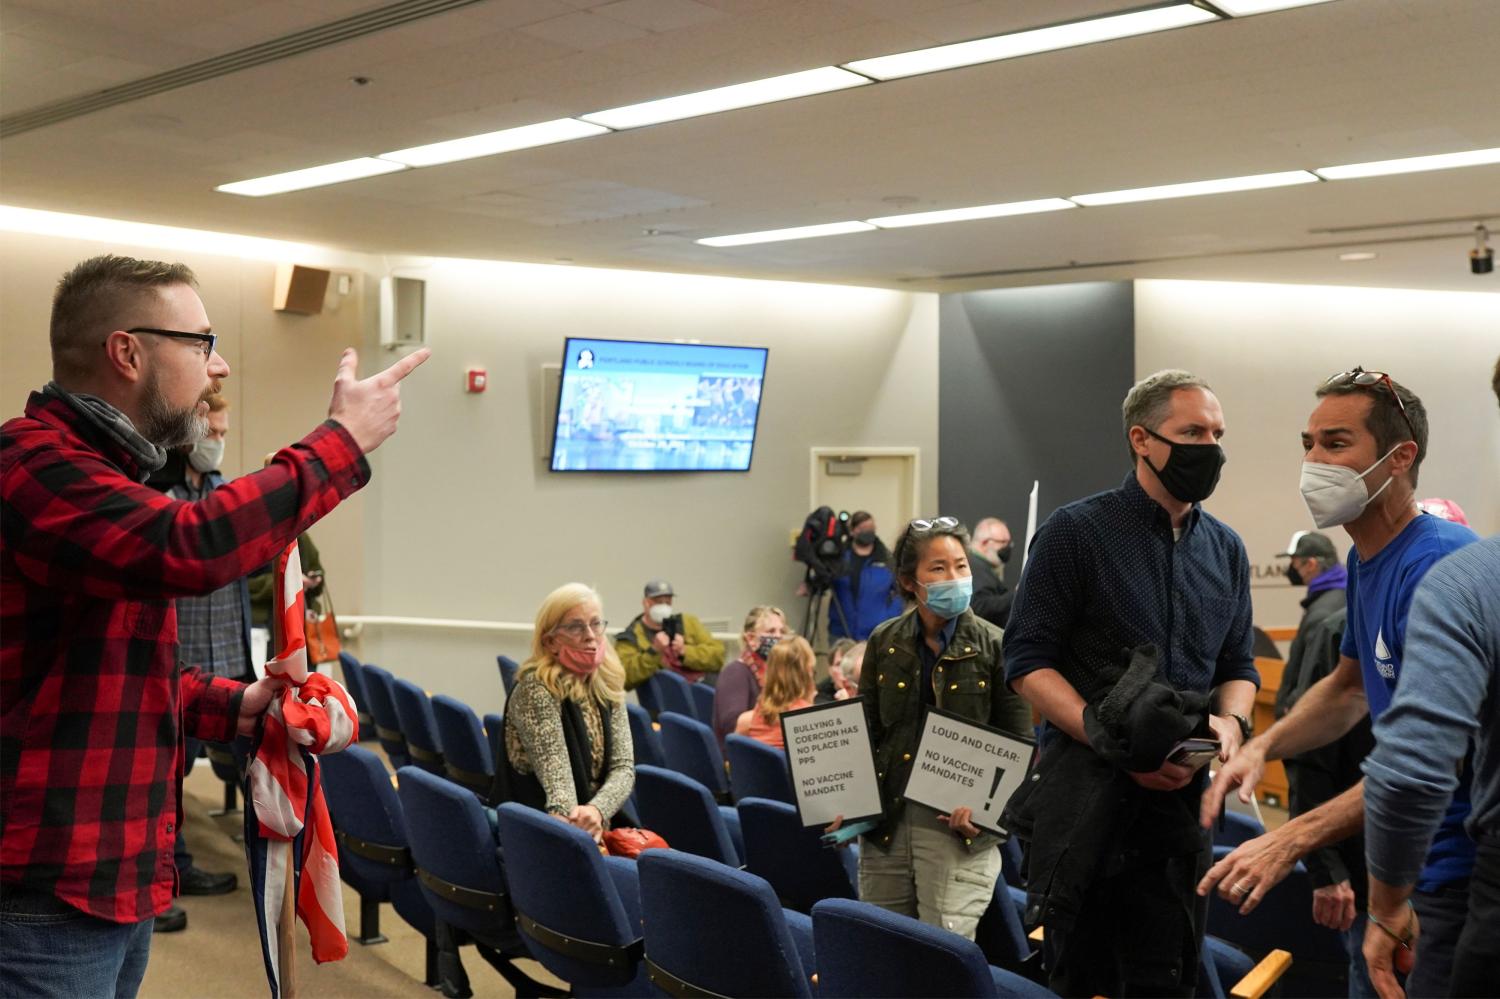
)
(991, 544)
(93, 711)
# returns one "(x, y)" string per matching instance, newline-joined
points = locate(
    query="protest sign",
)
(960, 763)
(833, 764)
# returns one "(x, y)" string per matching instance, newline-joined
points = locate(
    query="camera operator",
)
(864, 588)
(661, 636)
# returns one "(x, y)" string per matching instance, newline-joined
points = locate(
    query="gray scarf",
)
(115, 425)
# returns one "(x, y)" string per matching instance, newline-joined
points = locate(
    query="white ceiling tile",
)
(660, 15)
(582, 31)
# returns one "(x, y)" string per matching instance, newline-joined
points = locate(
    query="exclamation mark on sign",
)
(994, 786)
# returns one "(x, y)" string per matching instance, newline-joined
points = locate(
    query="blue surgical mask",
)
(949, 598)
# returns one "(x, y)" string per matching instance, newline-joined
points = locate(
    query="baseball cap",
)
(1309, 544)
(658, 588)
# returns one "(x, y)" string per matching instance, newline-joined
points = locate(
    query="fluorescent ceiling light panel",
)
(1412, 164)
(1022, 43)
(296, 180)
(1197, 187)
(504, 141)
(1244, 8)
(740, 95)
(779, 235)
(969, 214)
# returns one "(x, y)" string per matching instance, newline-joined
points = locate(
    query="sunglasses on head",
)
(1364, 379)
(938, 523)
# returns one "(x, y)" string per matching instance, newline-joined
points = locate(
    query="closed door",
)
(883, 483)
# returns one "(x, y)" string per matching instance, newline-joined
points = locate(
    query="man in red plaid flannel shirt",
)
(92, 707)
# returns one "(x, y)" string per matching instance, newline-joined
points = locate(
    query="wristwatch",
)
(1246, 728)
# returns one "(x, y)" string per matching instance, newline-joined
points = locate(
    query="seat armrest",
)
(1261, 977)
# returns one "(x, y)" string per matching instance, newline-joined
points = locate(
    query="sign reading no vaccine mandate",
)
(962, 764)
(832, 761)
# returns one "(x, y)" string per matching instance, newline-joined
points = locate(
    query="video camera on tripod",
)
(821, 546)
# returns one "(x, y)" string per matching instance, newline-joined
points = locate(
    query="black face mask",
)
(1294, 576)
(1191, 471)
(1003, 554)
(864, 538)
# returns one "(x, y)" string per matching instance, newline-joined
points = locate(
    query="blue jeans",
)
(1443, 913)
(1360, 986)
(50, 949)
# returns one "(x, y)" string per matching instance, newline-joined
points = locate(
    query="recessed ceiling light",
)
(504, 141)
(968, 214)
(1244, 8)
(1411, 164)
(1254, 182)
(297, 180)
(1358, 255)
(778, 235)
(1022, 43)
(739, 95)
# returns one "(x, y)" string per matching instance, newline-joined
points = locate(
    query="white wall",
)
(1265, 349)
(464, 521)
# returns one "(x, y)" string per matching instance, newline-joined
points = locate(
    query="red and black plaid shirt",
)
(92, 708)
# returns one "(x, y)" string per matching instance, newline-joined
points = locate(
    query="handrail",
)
(457, 624)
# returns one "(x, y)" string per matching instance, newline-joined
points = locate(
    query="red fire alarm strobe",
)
(475, 380)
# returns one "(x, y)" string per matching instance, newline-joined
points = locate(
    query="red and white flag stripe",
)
(313, 714)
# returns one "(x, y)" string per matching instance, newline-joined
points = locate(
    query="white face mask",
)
(1336, 495)
(206, 455)
(660, 612)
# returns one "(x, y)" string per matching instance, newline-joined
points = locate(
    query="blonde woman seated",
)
(567, 735)
(788, 685)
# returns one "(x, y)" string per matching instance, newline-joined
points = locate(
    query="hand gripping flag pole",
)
(288, 835)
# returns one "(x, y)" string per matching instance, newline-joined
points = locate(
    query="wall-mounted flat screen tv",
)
(634, 406)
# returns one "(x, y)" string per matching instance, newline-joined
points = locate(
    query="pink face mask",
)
(580, 661)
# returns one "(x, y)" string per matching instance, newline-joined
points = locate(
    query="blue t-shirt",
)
(1379, 597)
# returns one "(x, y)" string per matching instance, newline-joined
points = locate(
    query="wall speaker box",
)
(300, 289)
(403, 312)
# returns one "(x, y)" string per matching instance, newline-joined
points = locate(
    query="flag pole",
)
(286, 919)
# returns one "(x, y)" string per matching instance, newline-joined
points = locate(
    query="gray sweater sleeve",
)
(1447, 687)
(537, 718)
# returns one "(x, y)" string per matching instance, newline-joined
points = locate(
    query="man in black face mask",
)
(991, 550)
(1142, 564)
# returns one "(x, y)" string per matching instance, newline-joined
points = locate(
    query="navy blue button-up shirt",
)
(1105, 574)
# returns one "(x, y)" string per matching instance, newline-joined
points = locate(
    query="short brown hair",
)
(1149, 401)
(1385, 421)
(92, 295)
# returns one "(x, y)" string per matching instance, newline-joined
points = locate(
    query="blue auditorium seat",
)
(715, 930)
(681, 811)
(757, 770)
(378, 687)
(689, 747)
(466, 753)
(643, 737)
(793, 859)
(414, 711)
(508, 670)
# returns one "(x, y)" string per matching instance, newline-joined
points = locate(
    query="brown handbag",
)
(322, 630)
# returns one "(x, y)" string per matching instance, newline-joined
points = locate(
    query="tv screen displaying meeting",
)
(635, 406)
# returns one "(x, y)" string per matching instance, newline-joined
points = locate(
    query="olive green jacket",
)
(701, 653)
(968, 681)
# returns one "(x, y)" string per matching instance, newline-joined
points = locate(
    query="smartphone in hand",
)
(1194, 753)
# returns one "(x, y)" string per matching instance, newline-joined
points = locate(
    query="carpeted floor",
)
(218, 955)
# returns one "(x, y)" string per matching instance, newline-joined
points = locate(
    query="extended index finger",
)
(402, 368)
(1215, 873)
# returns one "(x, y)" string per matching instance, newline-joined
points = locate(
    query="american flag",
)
(288, 835)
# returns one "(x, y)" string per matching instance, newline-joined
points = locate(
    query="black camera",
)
(821, 545)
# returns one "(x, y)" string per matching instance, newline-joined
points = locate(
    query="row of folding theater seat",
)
(439, 734)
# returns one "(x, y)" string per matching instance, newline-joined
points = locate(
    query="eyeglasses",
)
(940, 523)
(577, 630)
(1364, 379)
(208, 339)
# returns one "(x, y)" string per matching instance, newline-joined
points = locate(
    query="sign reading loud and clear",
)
(960, 764)
(833, 764)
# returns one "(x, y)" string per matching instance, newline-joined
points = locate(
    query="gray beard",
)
(167, 427)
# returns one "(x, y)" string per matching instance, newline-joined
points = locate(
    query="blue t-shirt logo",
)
(1385, 663)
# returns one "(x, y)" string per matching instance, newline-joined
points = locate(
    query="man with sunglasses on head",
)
(1140, 572)
(1363, 448)
(93, 710)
